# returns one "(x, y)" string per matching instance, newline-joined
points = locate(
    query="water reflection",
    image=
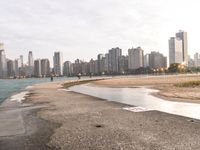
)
(140, 97)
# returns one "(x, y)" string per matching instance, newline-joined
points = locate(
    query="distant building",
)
(3, 63)
(135, 58)
(175, 50)
(67, 69)
(29, 71)
(30, 59)
(106, 63)
(17, 65)
(191, 63)
(21, 60)
(92, 67)
(37, 68)
(113, 60)
(157, 60)
(45, 67)
(58, 63)
(10, 68)
(197, 60)
(100, 59)
(183, 36)
(96, 67)
(146, 60)
(77, 68)
(85, 68)
(123, 64)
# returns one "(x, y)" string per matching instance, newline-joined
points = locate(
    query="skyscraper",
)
(45, 67)
(17, 64)
(21, 60)
(10, 68)
(183, 36)
(37, 68)
(30, 59)
(3, 63)
(67, 69)
(175, 50)
(135, 58)
(146, 60)
(58, 63)
(100, 63)
(114, 55)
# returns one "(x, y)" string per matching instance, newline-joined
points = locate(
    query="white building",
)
(135, 58)
(30, 59)
(175, 50)
(3, 63)
(183, 36)
(146, 60)
(58, 63)
(113, 59)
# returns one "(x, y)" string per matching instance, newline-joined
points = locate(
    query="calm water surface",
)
(140, 97)
(9, 87)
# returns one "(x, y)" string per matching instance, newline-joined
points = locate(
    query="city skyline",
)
(82, 29)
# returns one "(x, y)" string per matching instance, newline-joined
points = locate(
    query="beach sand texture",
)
(68, 120)
(163, 83)
(92, 123)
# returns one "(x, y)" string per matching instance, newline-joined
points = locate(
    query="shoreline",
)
(165, 85)
(92, 123)
(68, 120)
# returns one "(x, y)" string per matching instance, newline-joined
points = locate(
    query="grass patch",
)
(72, 83)
(188, 84)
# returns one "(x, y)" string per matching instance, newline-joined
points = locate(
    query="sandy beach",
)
(165, 85)
(56, 118)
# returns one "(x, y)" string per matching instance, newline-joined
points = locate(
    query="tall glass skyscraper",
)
(58, 63)
(183, 36)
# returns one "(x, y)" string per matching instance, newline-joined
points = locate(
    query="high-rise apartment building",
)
(3, 63)
(135, 58)
(21, 60)
(175, 50)
(113, 62)
(157, 60)
(100, 59)
(17, 64)
(106, 63)
(30, 59)
(45, 67)
(58, 63)
(10, 68)
(146, 60)
(37, 68)
(183, 36)
(123, 64)
(67, 69)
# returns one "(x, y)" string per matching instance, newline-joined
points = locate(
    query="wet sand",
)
(68, 120)
(165, 85)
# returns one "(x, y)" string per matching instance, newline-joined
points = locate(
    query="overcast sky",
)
(84, 28)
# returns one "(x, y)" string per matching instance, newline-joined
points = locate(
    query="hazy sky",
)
(84, 28)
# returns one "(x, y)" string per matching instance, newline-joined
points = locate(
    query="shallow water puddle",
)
(140, 97)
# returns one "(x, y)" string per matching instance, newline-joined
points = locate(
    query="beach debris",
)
(99, 126)
(137, 109)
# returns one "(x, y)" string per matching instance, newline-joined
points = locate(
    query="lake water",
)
(140, 97)
(9, 87)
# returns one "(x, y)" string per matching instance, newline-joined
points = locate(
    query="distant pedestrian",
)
(51, 78)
